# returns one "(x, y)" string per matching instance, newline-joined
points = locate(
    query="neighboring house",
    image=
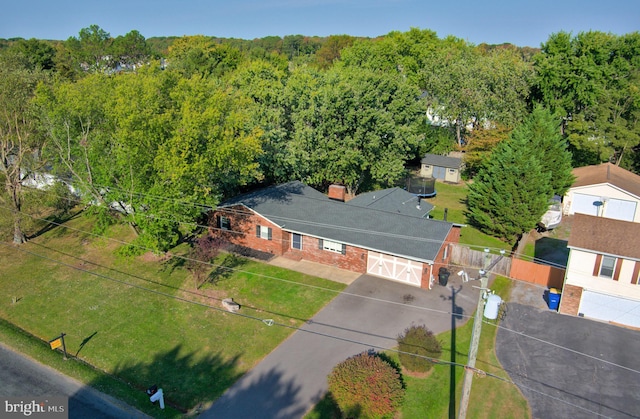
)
(601, 280)
(605, 190)
(366, 235)
(441, 167)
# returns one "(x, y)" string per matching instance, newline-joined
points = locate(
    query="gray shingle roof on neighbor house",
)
(393, 200)
(441, 161)
(298, 208)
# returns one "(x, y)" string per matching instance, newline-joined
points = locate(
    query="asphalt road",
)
(23, 377)
(571, 367)
(293, 378)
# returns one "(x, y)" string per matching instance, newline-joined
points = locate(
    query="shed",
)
(441, 167)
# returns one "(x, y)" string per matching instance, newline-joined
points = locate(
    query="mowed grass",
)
(453, 197)
(440, 391)
(141, 320)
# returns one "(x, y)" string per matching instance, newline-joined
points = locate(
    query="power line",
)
(270, 322)
(449, 313)
(564, 348)
(324, 225)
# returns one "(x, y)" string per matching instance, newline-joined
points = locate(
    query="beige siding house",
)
(601, 279)
(605, 190)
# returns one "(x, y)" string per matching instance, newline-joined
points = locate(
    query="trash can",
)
(443, 276)
(554, 299)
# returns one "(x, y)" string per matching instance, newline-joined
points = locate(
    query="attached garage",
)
(610, 308)
(392, 267)
(619, 209)
(584, 204)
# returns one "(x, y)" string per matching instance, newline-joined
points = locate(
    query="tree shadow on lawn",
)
(225, 268)
(188, 381)
(55, 220)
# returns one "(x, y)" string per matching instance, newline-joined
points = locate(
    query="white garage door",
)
(610, 308)
(619, 209)
(583, 204)
(395, 268)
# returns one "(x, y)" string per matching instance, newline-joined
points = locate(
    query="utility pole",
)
(475, 341)
(473, 351)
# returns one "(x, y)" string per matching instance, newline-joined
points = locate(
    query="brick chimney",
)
(337, 192)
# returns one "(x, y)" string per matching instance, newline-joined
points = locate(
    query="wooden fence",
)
(476, 259)
(510, 267)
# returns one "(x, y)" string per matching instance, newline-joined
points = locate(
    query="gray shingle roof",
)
(393, 200)
(441, 161)
(299, 208)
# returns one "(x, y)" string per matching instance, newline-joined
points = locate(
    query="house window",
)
(225, 223)
(332, 246)
(607, 266)
(452, 171)
(296, 241)
(426, 166)
(263, 232)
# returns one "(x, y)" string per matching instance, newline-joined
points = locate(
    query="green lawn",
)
(453, 197)
(438, 394)
(140, 319)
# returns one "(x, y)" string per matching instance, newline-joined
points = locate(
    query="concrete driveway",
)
(570, 367)
(370, 313)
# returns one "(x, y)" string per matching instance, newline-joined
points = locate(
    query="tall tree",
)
(540, 130)
(91, 49)
(131, 49)
(359, 127)
(191, 55)
(593, 81)
(20, 143)
(511, 191)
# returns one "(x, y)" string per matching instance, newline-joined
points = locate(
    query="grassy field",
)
(438, 394)
(140, 319)
(454, 199)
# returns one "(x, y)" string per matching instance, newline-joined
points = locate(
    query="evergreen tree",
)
(511, 191)
(541, 132)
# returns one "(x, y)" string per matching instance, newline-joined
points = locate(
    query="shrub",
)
(366, 386)
(418, 340)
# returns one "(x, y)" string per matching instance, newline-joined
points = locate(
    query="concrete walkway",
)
(370, 313)
(316, 269)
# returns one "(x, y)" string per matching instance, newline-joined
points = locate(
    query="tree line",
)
(167, 134)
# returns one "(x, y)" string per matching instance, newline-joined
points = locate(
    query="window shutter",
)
(636, 271)
(616, 273)
(320, 244)
(344, 249)
(268, 233)
(258, 231)
(596, 268)
(218, 222)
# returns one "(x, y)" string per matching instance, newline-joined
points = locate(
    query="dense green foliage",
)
(162, 129)
(366, 386)
(511, 191)
(418, 340)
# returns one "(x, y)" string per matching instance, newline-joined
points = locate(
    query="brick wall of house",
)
(242, 230)
(354, 259)
(443, 257)
(570, 300)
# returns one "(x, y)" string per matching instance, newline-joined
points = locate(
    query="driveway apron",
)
(370, 313)
(571, 367)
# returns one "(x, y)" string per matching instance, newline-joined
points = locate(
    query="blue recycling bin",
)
(554, 299)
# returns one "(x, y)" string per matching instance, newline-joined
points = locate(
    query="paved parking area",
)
(570, 367)
(370, 313)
